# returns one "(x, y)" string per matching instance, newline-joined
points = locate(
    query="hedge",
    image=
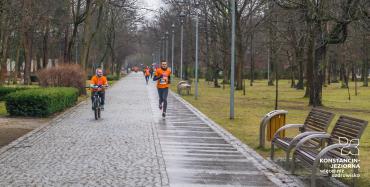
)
(7, 90)
(40, 102)
(112, 77)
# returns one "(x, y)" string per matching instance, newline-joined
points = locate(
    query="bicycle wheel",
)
(99, 111)
(96, 109)
(96, 114)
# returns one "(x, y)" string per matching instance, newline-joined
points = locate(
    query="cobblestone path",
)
(117, 150)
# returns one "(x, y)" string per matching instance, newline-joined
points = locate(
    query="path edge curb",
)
(157, 142)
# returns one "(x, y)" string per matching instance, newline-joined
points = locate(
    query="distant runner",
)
(147, 74)
(151, 72)
(162, 76)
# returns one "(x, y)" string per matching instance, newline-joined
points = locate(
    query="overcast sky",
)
(150, 4)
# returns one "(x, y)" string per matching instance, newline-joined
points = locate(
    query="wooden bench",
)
(183, 85)
(348, 128)
(317, 121)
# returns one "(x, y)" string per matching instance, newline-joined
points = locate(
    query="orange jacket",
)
(164, 81)
(95, 80)
(147, 72)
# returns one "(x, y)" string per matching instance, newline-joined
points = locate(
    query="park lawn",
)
(260, 99)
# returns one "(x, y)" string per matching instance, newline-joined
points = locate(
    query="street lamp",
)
(196, 48)
(232, 115)
(167, 45)
(173, 48)
(182, 15)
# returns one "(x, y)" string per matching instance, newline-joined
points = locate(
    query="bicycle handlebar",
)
(97, 86)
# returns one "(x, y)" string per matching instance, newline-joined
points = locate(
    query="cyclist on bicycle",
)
(162, 76)
(98, 84)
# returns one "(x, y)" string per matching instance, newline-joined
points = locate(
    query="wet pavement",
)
(132, 145)
(198, 154)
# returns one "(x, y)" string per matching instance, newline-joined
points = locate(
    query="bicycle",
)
(96, 101)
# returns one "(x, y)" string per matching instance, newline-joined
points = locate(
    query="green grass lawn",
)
(260, 99)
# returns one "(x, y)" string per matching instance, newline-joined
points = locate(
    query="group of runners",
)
(162, 76)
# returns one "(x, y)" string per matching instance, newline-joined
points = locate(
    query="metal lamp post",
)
(173, 48)
(196, 48)
(182, 15)
(232, 115)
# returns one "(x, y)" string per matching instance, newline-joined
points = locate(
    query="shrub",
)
(7, 90)
(40, 102)
(65, 75)
(112, 77)
(34, 78)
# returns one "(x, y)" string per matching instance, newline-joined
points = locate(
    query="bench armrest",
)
(309, 137)
(287, 126)
(302, 135)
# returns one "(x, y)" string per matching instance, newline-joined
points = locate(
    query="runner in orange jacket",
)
(163, 78)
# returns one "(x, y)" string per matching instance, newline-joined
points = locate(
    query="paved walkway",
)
(133, 146)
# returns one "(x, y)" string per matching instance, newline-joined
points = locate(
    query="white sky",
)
(150, 4)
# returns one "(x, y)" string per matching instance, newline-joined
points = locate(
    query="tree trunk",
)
(16, 65)
(330, 70)
(4, 57)
(276, 92)
(335, 71)
(319, 56)
(239, 59)
(38, 60)
(365, 50)
(27, 45)
(353, 72)
(252, 60)
(87, 35)
(272, 42)
(45, 56)
(207, 37)
(74, 32)
(226, 63)
(299, 59)
(343, 76)
(215, 78)
(65, 45)
(291, 68)
(309, 68)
